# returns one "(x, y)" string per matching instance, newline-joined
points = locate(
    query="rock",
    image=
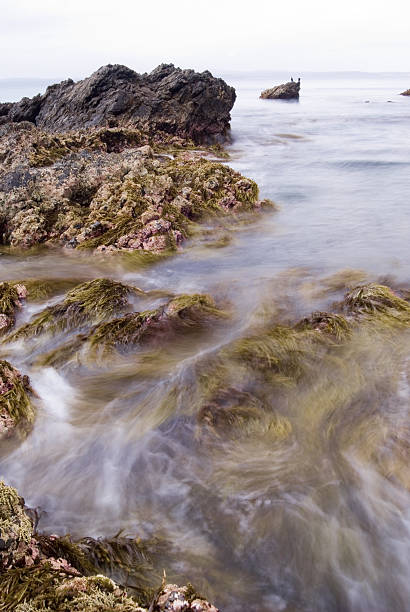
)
(40, 572)
(99, 187)
(90, 302)
(10, 301)
(286, 91)
(181, 102)
(406, 93)
(181, 599)
(16, 411)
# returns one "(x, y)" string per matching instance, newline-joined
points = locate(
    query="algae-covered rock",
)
(374, 299)
(48, 573)
(179, 315)
(84, 194)
(16, 410)
(90, 302)
(15, 526)
(328, 323)
(11, 296)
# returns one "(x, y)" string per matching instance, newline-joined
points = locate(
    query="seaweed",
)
(89, 302)
(16, 410)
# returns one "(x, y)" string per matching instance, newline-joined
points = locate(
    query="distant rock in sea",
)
(185, 103)
(406, 93)
(286, 91)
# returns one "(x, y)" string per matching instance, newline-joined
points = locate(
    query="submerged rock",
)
(16, 410)
(53, 573)
(286, 91)
(90, 302)
(181, 102)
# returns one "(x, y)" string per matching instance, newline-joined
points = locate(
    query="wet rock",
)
(286, 91)
(71, 191)
(181, 102)
(11, 296)
(53, 573)
(90, 302)
(16, 411)
(181, 599)
(179, 315)
(15, 526)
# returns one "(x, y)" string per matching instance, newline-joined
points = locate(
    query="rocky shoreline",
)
(126, 164)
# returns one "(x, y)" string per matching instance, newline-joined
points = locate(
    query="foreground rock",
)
(180, 102)
(406, 93)
(99, 189)
(51, 573)
(286, 91)
(16, 410)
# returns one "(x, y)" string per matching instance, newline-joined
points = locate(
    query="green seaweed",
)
(373, 299)
(329, 323)
(9, 298)
(15, 404)
(89, 302)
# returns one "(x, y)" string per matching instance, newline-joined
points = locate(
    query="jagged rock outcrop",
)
(406, 93)
(286, 91)
(181, 102)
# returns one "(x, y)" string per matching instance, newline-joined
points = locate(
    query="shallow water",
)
(316, 519)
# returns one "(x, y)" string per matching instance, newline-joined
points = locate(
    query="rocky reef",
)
(40, 572)
(285, 91)
(179, 102)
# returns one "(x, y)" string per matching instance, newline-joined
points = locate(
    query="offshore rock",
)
(286, 91)
(406, 93)
(181, 102)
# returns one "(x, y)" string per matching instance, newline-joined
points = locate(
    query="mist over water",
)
(305, 512)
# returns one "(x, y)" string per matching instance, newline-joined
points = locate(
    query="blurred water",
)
(318, 520)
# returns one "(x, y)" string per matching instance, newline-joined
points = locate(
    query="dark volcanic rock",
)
(286, 91)
(181, 102)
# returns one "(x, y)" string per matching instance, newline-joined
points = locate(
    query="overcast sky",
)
(50, 38)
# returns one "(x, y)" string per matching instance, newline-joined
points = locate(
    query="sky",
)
(53, 38)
